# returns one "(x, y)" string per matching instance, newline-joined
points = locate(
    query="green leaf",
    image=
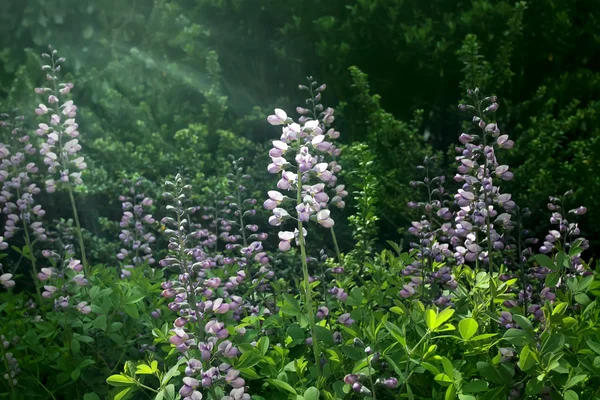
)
(593, 345)
(170, 392)
(91, 396)
(443, 379)
(475, 386)
(489, 372)
(290, 306)
(352, 352)
(120, 380)
(397, 310)
(282, 385)
(143, 369)
(483, 336)
(574, 381)
(583, 299)
(524, 323)
(312, 393)
(263, 345)
(248, 359)
(534, 386)
(75, 346)
(395, 332)
(450, 393)
(545, 261)
(355, 298)
(115, 326)
(75, 374)
(430, 318)
(172, 372)
(467, 328)
(123, 393)
(571, 395)
(324, 335)
(444, 316)
(100, 322)
(526, 360)
(552, 279)
(553, 344)
(518, 337)
(494, 394)
(559, 308)
(86, 362)
(448, 367)
(131, 310)
(83, 338)
(135, 298)
(249, 373)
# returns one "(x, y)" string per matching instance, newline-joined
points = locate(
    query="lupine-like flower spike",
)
(202, 301)
(251, 252)
(301, 157)
(476, 233)
(431, 232)
(18, 191)
(136, 229)
(60, 130)
(65, 278)
(17, 197)
(9, 360)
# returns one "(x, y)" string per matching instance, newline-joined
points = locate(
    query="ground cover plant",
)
(241, 290)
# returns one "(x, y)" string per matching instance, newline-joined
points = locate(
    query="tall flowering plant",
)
(136, 229)
(484, 211)
(17, 196)
(203, 300)
(60, 131)
(432, 246)
(301, 160)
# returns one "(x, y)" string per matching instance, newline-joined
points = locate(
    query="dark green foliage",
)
(153, 74)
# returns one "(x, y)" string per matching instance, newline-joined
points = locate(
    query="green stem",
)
(184, 264)
(408, 356)
(79, 235)
(488, 224)
(307, 291)
(29, 245)
(45, 388)
(146, 387)
(371, 378)
(241, 216)
(337, 248)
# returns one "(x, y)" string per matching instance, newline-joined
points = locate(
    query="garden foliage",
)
(175, 227)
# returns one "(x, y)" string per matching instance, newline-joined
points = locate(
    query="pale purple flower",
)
(6, 281)
(279, 118)
(285, 239)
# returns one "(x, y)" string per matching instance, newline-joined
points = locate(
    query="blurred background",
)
(171, 86)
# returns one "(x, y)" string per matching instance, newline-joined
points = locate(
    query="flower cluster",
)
(61, 130)
(10, 360)
(431, 231)
(300, 159)
(202, 295)
(64, 280)
(543, 280)
(18, 190)
(477, 222)
(250, 251)
(136, 229)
